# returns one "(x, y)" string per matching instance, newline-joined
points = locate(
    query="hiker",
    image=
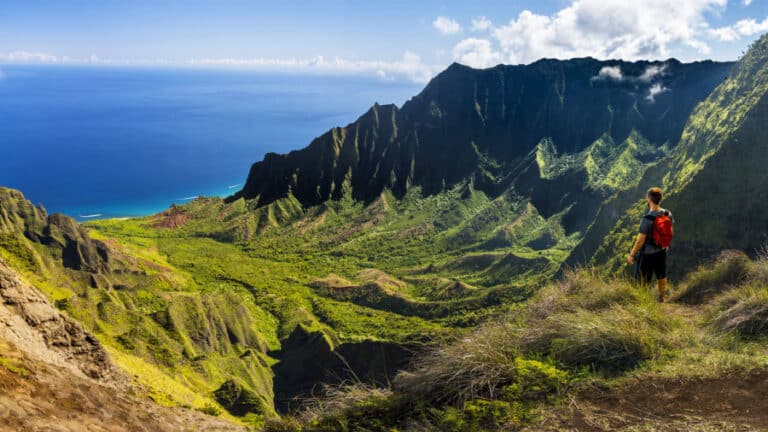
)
(649, 254)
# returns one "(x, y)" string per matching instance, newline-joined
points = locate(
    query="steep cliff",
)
(481, 124)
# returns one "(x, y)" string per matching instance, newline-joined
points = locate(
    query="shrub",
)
(729, 269)
(210, 409)
(480, 415)
(743, 312)
(239, 400)
(283, 424)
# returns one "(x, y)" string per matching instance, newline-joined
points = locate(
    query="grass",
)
(728, 270)
(742, 312)
(582, 332)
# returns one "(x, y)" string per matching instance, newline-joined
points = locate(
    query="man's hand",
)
(630, 259)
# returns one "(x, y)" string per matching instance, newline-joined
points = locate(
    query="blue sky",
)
(393, 40)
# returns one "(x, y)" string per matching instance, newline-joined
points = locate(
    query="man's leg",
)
(662, 288)
(661, 274)
(646, 269)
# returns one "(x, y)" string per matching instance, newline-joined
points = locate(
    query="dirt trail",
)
(729, 403)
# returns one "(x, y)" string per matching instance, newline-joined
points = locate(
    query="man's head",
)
(654, 195)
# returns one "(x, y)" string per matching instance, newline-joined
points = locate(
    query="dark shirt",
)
(646, 227)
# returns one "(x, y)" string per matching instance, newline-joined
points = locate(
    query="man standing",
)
(650, 250)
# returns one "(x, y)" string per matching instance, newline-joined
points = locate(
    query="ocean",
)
(99, 142)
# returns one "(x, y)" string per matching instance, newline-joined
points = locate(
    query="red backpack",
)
(663, 230)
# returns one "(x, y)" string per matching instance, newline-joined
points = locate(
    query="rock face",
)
(481, 124)
(62, 234)
(28, 320)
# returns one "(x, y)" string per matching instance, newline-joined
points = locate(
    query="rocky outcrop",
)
(29, 320)
(480, 124)
(67, 240)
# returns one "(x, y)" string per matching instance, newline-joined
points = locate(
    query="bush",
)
(730, 269)
(210, 409)
(480, 415)
(743, 312)
(239, 400)
(283, 424)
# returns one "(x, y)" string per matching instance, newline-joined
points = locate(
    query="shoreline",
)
(135, 210)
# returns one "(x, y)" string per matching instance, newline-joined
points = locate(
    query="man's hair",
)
(655, 195)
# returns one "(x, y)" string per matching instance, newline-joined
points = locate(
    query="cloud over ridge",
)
(606, 29)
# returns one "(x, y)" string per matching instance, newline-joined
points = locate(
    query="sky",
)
(393, 40)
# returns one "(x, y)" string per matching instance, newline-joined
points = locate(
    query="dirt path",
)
(732, 403)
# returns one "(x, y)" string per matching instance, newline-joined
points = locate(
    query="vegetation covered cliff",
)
(481, 124)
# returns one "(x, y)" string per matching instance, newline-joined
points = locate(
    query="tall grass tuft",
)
(474, 366)
(616, 340)
(607, 326)
(742, 312)
(729, 269)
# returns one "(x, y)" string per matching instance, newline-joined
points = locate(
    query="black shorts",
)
(651, 264)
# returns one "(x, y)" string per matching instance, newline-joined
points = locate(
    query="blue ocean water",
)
(95, 142)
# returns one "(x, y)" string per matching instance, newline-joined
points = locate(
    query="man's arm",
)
(636, 248)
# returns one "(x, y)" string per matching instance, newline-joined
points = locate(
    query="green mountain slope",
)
(715, 178)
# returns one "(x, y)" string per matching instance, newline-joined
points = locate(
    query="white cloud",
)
(652, 72)
(745, 27)
(481, 23)
(446, 25)
(609, 73)
(476, 53)
(747, 2)
(28, 57)
(654, 91)
(410, 66)
(629, 30)
(615, 73)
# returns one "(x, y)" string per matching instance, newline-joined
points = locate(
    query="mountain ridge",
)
(464, 115)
